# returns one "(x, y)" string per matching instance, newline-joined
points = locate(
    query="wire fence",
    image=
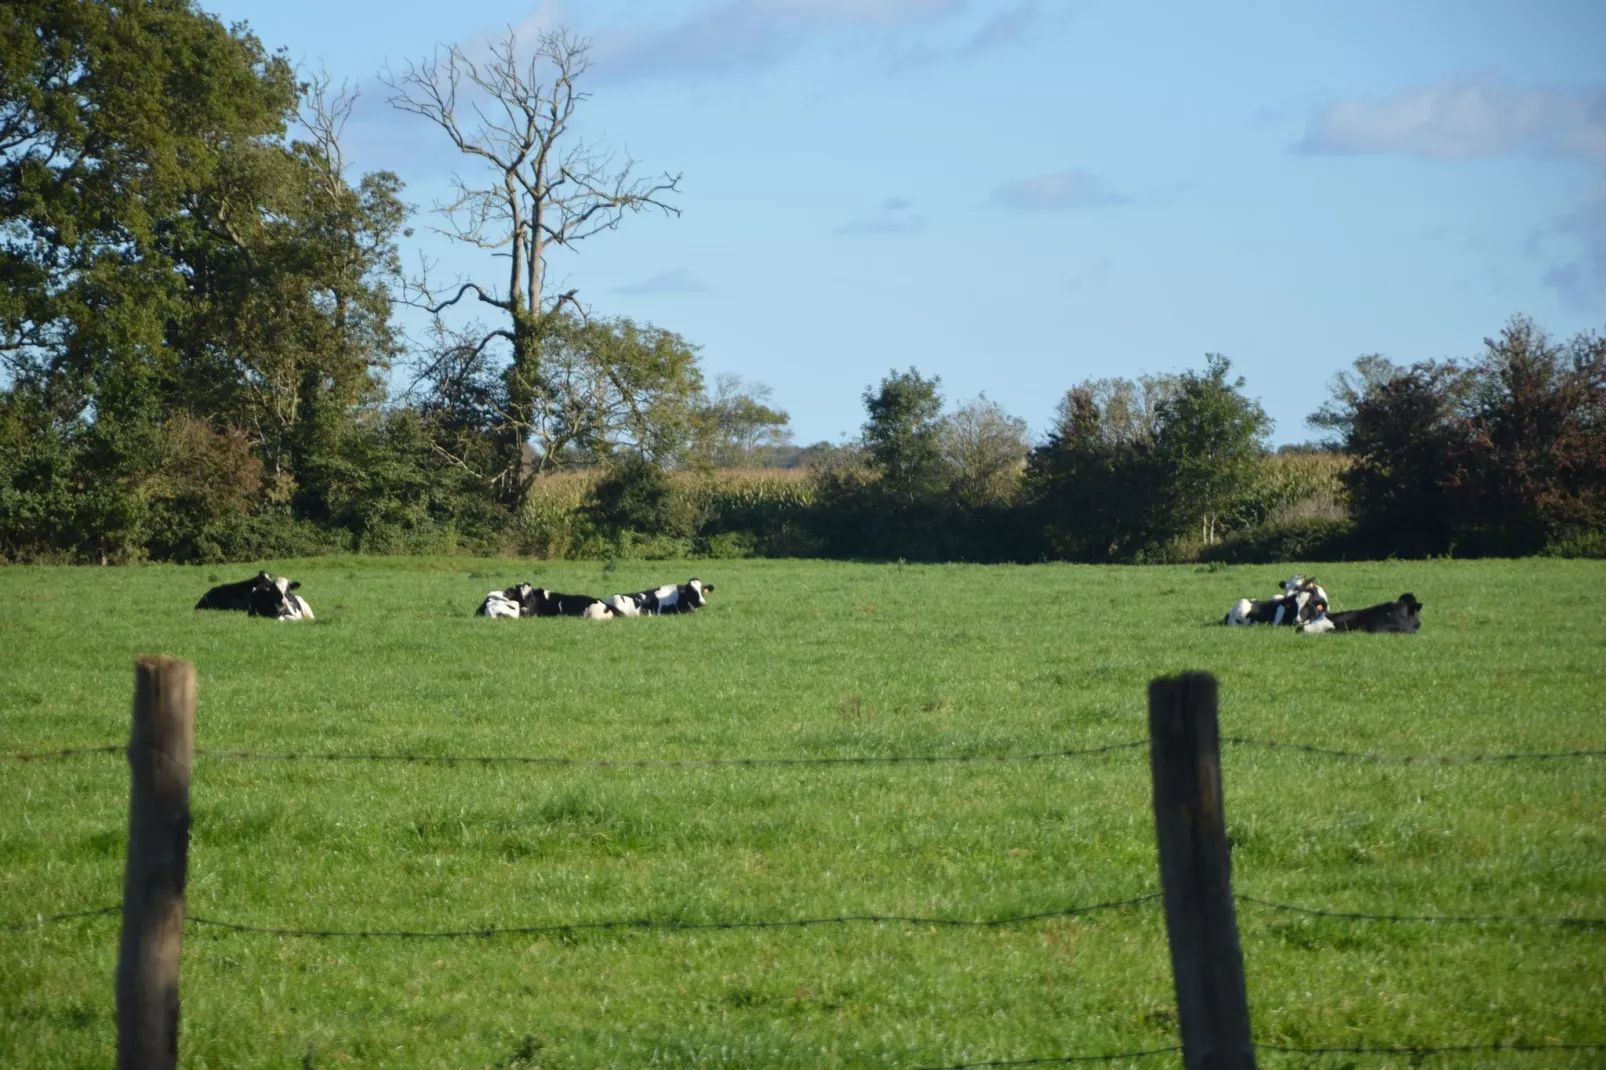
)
(837, 919)
(1414, 1052)
(420, 758)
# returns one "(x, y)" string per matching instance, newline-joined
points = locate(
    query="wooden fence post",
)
(1196, 874)
(159, 752)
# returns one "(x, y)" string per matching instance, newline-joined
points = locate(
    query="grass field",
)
(796, 659)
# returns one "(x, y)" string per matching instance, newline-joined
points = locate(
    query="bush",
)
(1300, 540)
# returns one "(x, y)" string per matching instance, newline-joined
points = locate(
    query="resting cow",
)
(1293, 606)
(508, 603)
(260, 596)
(1403, 615)
(683, 598)
(544, 603)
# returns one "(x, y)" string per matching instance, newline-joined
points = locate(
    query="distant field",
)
(806, 659)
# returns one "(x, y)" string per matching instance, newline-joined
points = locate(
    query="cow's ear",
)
(294, 586)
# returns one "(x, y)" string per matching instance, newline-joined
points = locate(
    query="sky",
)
(1017, 195)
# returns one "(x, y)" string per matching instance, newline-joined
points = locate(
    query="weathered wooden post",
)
(159, 753)
(1196, 874)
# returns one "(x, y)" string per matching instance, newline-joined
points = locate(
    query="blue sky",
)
(1018, 195)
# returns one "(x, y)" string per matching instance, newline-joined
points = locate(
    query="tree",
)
(985, 448)
(1210, 441)
(1537, 451)
(1095, 486)
(741, 426)
(1347, 389)
(902, 437)
(1404, 434)
(543, 187)
(613, 388)
(194, 307)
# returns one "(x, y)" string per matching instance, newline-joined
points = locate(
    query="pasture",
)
(795, 660)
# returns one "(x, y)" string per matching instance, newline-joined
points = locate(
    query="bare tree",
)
(540, 185)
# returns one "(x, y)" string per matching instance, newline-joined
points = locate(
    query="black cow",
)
(683, 598)
(1403, 615)
(260, 596)
(541, 602)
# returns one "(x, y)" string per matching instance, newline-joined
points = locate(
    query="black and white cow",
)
(260, 596)
(508, 603)
(1293, 606)
(682, 598)
(296, 607)
(544, 603)
(1403, 615)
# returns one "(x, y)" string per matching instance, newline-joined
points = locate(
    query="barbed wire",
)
(1413, 1050)
(1408, 759)
(891, 759)
(840, 919)
(1423, 1050)
(647, 923)
(1490, 919)
(64, 752)
(667, 763)
(661, 763)
(1061, 1059)
(51, 919)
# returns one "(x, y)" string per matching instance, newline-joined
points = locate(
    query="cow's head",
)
(1306, 592)
(697, 592)
(1408, 612)
(269, 596)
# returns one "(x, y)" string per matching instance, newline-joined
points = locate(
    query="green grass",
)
(797, 659)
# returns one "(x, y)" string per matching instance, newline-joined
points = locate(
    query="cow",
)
(683, 598)
(260, 596)
(544, 603)
(1293, 606)
(508, 603)
(1403, 615)
(295, 607)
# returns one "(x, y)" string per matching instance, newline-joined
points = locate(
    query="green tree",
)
(903, 436)
(1095, 486)
(171, 261)
(1536, 456)
(984, 448)
(740, 425)
(1210, 442)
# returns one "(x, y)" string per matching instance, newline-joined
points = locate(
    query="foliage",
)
(984, 449)
(196, 306)
(740, 425)
(1209, 441)
(1504, 455)
(636, 495)
(903, 436)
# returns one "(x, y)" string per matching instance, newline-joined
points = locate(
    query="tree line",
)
(201, 360)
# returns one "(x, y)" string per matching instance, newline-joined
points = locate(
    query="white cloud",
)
(735, 37)
(1060, 190)
(678, 281)
(1462, 118)
(893, 218)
